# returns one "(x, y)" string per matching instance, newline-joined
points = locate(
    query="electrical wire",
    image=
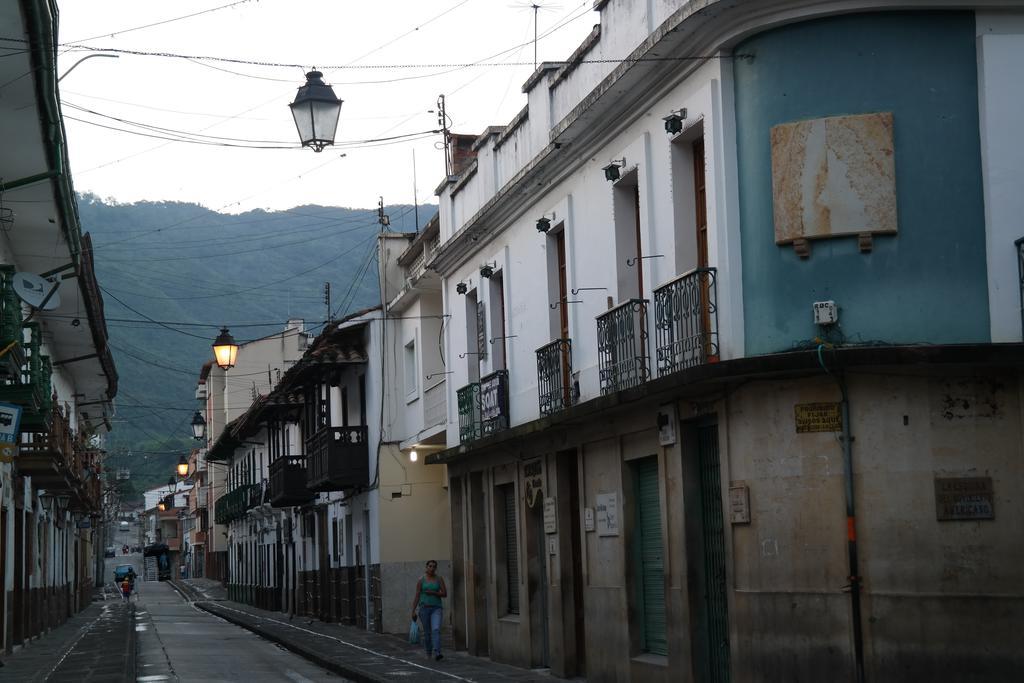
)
(157, 23)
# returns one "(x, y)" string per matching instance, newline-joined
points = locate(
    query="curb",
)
(130, 670)
(333, 666)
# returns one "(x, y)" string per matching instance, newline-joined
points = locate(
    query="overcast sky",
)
(383, 95)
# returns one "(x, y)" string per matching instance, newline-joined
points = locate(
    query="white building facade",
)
(674, 462)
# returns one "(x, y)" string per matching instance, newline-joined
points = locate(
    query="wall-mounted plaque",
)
(607, 514)
(739, 505)
(817, 417)
(964, 498)
(588, 519)
(550, 526)
(834, 176)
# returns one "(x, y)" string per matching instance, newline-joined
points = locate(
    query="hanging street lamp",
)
(182, 467)
(198, 426)
(225, 350)
(316, 109)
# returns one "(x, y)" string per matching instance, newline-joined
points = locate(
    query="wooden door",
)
(563, 316)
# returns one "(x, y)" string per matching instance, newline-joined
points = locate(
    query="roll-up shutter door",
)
(651, 557)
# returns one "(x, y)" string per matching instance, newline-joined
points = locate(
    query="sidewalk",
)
(349, 651)
(96, 645)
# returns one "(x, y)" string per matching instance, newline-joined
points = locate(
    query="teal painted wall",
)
(928, 282)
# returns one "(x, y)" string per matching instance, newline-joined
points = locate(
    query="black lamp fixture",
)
(674, 121)
(611, 171)
(543, 224)
(182, 467)
(198, 426)
(316, 109)
(461, 288)
(225, 350)
(487, 270)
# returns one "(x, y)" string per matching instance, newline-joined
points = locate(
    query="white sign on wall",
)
(607, 514)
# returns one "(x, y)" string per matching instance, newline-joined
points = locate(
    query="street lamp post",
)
(316, 109)
(182, 467)
(225, 350)
(198, 426)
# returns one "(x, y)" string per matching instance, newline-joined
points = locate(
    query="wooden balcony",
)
(288, 481)
(235, 503)
(48, 457)
(338, 458)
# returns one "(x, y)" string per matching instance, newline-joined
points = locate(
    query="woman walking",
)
(429, 591)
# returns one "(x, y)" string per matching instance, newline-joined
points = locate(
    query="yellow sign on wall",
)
(818, 417)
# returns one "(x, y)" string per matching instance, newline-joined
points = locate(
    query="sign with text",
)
(739, 505)
(964, 499)
(494, 402)
(607, 510)
(481, 330)
(10, 424)
(818, 417)
(550, 525)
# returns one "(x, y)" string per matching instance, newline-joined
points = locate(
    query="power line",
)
(158, 23)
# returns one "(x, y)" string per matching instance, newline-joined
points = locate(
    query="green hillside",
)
(182, 269)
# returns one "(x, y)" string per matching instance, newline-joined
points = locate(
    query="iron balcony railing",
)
(622, 357)
(337, 458)
(554, 373)
(288, 481)
(234, 504)
(469, 412)
(686, 321)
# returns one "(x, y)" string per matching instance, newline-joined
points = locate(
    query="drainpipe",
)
(851, 536)
(851, 523)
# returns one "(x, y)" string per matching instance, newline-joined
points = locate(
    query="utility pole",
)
(442, 122)
(327, 302)
(382, 218)
(415, 196)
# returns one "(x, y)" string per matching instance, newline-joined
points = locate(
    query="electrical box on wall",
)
(666, 426)
(825, 313)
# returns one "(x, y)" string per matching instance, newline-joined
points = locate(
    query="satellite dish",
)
(33, 290)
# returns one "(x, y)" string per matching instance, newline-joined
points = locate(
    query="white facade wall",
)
(583, 204)
(1000, 101)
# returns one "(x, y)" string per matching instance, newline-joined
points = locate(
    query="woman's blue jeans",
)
(430, 625)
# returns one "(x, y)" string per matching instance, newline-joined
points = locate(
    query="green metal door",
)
(650, 556)
(713, 527)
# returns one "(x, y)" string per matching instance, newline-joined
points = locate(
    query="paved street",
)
(179, 642)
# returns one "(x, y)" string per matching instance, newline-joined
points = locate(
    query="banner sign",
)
(10, 423)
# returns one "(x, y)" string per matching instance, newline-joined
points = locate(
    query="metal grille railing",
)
(622, 346)
(554, 372)
(469, 412)
(686, 321)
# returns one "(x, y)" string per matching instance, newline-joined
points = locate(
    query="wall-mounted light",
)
(612, 170)
(182, 467)
(461, 288)
(543, 224)
(413, 456)
(486, 270)
(674, 121)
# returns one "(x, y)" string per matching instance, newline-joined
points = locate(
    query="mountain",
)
(172, 272)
